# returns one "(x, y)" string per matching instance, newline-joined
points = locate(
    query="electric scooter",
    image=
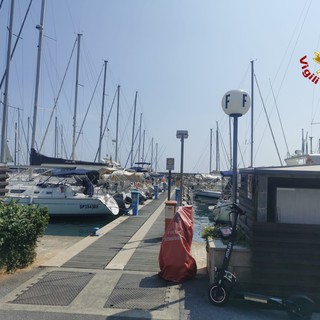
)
(297, 306)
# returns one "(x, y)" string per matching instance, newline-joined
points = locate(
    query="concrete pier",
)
(114, 275)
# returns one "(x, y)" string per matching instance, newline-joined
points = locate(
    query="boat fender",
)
(61, 189)
(30, 201)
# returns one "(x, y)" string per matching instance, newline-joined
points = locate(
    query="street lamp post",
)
(181, 134)
(235, 103)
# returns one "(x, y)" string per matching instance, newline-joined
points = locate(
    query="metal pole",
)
(117, 132)
(28, 139)
(102, 110)
(234, 167)
(181, 171)
(15, 143)
(156, 162)
(139, 148)
(36, 94)
(169, 185)
(76, 101)
(133, 127)
(19, 138)
(210, 150)
(252, 76)
(152, 154)
(56, 137)
(143, 139)
(5, 102)
(217, 149)
(230, 135)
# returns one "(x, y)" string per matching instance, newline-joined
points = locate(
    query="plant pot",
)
(240, 262)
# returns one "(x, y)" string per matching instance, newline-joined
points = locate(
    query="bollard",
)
(135, 202)
(156, 191)
(170, 210)
(178, 195)
(95, 231)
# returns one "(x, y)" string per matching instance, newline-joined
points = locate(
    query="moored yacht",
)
(62, 198)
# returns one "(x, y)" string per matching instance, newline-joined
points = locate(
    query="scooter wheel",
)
(218, 295)
(299, 307)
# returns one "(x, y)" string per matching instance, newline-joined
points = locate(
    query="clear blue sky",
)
(181, 56)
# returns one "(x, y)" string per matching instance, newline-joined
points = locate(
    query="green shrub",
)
(213, 232)
(20, 227)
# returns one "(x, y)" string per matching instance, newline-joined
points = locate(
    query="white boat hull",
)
(208, 196)
(61, 200)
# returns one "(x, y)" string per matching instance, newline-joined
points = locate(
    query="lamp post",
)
(235, 103)
(181, 134)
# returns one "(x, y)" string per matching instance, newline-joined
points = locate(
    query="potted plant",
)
(240, 262)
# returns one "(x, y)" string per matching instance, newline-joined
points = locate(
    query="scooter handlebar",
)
(240, 211)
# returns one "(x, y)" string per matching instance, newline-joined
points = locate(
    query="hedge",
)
(20, 227)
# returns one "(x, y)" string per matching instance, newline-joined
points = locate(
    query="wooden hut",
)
(282, 221)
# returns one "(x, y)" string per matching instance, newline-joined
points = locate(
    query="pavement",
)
(70, 281)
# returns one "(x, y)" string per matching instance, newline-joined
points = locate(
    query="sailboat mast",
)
(62, 142)
(210, 150)
(134, 120)
(143, 143)
(36, 94)
(139, 148)
(117, 127)
(18, 36)
(302, 142)
(102, 109)
(5, 101)
(55, 137)
(15, 143)
(28, 135)
(151, 154)
(217, 149)
(76, 101)
(156, 162)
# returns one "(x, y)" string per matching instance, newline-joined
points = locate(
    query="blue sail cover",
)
(227, 173)
(38, 159)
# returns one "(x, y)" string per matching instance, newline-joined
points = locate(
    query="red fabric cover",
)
(175, 261)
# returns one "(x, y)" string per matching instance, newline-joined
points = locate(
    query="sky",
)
(181, 57)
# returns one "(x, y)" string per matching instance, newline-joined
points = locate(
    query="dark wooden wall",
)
(286, 259)
(3, 180)
(247, 204)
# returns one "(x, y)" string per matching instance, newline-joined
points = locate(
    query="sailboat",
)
(65, 193)
(39, 159)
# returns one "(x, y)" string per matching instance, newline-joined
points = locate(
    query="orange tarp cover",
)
(175, 261)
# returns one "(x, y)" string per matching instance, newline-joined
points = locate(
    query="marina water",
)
(84, 226)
